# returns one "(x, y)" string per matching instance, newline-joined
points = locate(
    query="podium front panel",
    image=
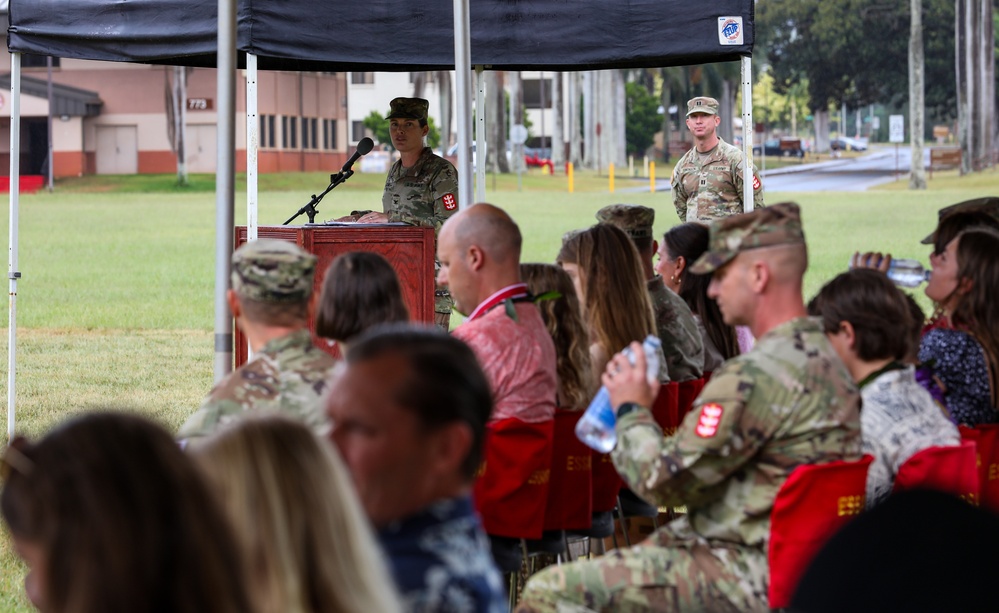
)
(409, 249)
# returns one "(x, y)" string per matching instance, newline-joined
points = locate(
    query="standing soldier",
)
(707, 181)
(269, 299)
(421, 188)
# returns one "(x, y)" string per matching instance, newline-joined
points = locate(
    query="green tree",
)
(641, 119)
(379, 127)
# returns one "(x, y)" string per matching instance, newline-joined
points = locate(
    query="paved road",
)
(854, 174)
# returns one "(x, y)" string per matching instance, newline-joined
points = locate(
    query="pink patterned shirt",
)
(518, 358)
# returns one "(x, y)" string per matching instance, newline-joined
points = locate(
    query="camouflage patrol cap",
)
(779, 224)
(408, 108)
(702, 104)
(636, 220)
(989, 205)
(269, 270)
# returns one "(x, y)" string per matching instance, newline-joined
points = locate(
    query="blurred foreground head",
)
(110, 515)
(295, 514)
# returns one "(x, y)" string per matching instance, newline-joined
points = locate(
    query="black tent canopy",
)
(389, 35)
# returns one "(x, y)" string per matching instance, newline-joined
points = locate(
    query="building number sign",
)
(199, 104)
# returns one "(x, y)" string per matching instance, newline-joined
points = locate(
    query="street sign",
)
(896, 128)
(518, 134)
(875, 123)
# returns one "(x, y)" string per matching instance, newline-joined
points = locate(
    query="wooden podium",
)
(409, 249)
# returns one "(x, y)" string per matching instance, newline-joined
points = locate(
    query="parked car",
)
(784, 147)
(845, 143)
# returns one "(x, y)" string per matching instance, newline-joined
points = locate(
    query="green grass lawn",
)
(115, 301)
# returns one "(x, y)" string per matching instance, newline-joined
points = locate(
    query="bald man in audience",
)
(787, 402)
(479, 252)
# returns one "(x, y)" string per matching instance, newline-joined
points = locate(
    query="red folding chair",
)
(511, 490)
(814, 502)
(666, 408)
(953, 470)
(570, 493)
(988, 474)
(689, 391)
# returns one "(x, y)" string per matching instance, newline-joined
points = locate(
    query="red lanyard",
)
(511, 292)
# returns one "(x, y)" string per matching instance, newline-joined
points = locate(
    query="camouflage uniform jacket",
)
(288, 376)
(678, 332)
(789, 401)
(707, 188)
(425, 194)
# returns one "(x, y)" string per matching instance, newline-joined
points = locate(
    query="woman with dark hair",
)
(607, 274)
(360, 290)
(111, 517)
(680, 248)
(963, 341)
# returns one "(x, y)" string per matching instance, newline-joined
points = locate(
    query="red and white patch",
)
(449, 202)
(756, 182)
(707, 425)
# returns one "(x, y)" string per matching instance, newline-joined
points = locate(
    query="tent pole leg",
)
(12, 273)
(747, 133)
(463, 98)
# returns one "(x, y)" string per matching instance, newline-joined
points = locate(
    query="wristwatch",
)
(626, 408)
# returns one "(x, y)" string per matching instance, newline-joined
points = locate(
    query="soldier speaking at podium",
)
(421, 188)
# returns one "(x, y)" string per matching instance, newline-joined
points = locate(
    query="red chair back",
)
(570, 493)
(953, 470)
(666, 408)
(814, 502)
(988, 473)
(689, 390)
(606, 483)
(511, 488)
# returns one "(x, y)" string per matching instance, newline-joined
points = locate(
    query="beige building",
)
(114, 118)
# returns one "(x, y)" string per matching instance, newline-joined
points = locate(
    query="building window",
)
(329, 134)
(362, 78)
(267, 137)
(305, 133)
(534, 96)
(284, 132)
(357, 130)
(313, 124)
(293, 131)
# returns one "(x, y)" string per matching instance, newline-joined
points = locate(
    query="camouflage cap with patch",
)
(779, 224)
(408, 108)
(636, 220)
(988, 205)
(702, 104)
(269, 270)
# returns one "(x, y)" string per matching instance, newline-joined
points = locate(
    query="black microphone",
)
(363, 148)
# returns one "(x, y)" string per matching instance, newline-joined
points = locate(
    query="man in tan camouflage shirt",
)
(789, 401)
(421, 188)
(675, 324)
(707, 181)
(271, 286)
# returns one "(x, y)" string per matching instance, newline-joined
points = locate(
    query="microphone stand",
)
(310, 208)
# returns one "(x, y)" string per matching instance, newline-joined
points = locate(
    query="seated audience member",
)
(308, 545)
(677, 329)
(110, 516)
(868, 323)
(923, 372)
(479, 252)
(680, 248)
(963, 344)
(271, 287)
(564, 322)
(895, 558)
(787, 402)
(607, 272)
(409, 414)
(360, 290)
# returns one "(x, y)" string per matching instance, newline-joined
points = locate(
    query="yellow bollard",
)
(652, 176)
(569, 174)
(611, 178)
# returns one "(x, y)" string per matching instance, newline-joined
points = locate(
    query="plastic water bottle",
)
(907, 273)
(596, 427)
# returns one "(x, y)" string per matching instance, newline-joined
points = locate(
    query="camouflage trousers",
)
(662, 573)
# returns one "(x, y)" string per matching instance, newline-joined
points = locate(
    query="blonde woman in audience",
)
(563, 319)
(309, 547)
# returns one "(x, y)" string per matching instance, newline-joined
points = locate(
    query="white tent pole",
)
(747, 133)
(224, 183)
(463, 96)
(252, 145)
(12, 273)
(480, 136)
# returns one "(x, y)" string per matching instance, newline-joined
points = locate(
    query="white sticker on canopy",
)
(730, 31)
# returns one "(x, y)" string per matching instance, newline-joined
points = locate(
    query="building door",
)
(117, 150)
(201, 148)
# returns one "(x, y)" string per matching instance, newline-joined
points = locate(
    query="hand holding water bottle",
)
(627, 382)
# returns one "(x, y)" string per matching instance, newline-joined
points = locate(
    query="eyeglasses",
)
(14, 459)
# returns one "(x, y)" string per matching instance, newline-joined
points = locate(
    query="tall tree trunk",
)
(726, 110)
(665, 101)
(821, 130)
(419, 83)
(590, 119)
(496, 123)
(917, 110)
(516, 118)
(446, 99)
(620, 109)
(575, 118)
(558, 138)
(180, 121)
